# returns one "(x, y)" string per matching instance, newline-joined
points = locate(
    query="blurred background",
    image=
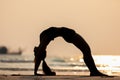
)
(98, 22)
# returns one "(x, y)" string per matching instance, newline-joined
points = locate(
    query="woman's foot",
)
(47, 70)
(97, 74)
(36, 74)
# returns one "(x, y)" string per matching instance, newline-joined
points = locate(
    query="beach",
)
(58, 77)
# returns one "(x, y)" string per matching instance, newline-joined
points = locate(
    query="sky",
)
(97, 21)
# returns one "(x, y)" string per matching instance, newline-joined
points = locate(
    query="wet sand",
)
(58, 77)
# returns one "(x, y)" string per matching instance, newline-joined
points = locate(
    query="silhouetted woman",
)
(70, 36)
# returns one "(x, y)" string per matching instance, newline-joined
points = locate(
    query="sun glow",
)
(108, 64)
(108, 60)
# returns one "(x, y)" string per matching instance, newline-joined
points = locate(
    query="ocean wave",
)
(16, 61)
(31, 69)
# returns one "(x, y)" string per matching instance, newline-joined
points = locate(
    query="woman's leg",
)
(80, 43)
(91, 65)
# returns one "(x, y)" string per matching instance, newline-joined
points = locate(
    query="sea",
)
(24, 65)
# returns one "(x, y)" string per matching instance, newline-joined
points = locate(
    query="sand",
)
(58, 77)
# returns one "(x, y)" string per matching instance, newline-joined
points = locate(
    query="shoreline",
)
(57, 77)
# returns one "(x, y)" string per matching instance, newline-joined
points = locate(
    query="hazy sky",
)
(98, 21)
